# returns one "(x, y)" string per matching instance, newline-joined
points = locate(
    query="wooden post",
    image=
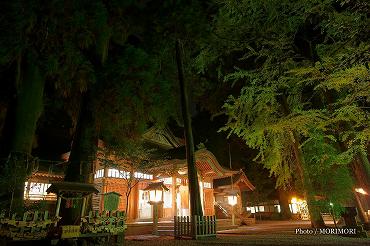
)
(58, 206)
(175, 226)
(174, 196)
(83, 207)
(155, 218)
(232, 216)
(194, 226)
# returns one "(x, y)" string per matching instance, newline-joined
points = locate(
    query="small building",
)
(176, 199)
(40, 181)
(173, 173)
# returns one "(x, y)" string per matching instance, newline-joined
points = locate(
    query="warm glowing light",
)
(182, 172)
(331, 204)
(294, 200)
(361, 191)
(294, 208)
(155, 195)
(233, 200)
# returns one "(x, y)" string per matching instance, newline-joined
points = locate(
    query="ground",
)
(263, 233)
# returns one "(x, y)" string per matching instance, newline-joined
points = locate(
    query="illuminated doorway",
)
(145, 209)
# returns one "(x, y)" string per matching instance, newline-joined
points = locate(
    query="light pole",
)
(155, 198)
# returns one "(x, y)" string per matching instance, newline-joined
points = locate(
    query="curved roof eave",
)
(213, 162)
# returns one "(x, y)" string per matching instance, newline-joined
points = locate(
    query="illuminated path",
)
(263, 233)
(268, 227)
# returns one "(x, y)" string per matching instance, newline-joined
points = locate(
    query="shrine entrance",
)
(145, 209)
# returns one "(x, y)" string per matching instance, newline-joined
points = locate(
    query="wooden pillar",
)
(28, 190)
(83, 207)
(201, 192)
(133, 203)
(174, 200)
(58, 206)
(103, 189)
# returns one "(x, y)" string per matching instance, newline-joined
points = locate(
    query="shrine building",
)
(212, 176)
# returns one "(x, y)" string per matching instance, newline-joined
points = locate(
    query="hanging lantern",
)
(232, 198)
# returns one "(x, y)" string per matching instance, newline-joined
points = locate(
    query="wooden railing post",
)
(194, 226)
(174, 226)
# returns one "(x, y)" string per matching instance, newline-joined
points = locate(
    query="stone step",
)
(165, 227)
(166, 232)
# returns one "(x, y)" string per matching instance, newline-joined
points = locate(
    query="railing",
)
(328, 217)
(223, 210)
(199, 226)
(40, 197)
(182, 226)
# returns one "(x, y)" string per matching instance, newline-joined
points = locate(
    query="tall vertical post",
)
(155, 218)
(194, 194)
(174, 196)
(83, 207)
(58, 208)
(232, 216)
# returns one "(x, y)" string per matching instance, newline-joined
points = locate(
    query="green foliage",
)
(326, 168)
(303, 71)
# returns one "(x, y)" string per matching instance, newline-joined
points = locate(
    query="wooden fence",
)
(198, 227)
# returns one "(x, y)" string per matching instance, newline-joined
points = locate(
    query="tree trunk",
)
(366, 169)
(28, 108)
(284, 204)
(359, 167)
(82, 156)
(84, 145)
(360, 209)
(366, 184)
(314, 211)
(358, 174)
(195, 199)
(8, 127)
